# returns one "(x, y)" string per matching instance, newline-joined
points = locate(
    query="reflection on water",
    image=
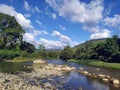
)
(75, 80)
(11, 67)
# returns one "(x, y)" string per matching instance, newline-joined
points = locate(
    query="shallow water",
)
(75, 80)
(11, 67)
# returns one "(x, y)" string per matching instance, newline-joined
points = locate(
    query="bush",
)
(8, 54)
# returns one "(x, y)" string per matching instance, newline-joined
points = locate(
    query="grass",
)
(98, 63)
(21, 59)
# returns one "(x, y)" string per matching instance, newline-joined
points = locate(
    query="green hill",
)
(90, 43)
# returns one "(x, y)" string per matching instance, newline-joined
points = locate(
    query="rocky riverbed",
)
(32, 79)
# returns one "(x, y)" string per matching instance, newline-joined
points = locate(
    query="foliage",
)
(105, 50)
(66, 54)
(11, 35)
(7, 55)
(10, 32)
(25, 46)
(98, 63)
(110, 50)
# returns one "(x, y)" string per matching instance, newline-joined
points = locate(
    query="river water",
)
(75, 80)
(72, 80)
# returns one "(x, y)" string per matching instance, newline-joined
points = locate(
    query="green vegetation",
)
(11, 39)
(12, 47)
(11, 67)
(98, 63)
(107, 50)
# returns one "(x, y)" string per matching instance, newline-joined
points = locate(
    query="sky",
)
(59, 23)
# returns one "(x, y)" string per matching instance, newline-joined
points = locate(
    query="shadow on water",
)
(75, 80)
(11, 67)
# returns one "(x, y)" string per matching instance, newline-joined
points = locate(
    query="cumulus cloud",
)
(115, 21)
(78, 11)
(50, 44)
(27, 6)
(65, 40)
(56, 33)
(62, 27)
(25, 23)
(88, 14)
(101, 34)
(31, 36)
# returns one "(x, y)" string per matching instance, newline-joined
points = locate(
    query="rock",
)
(39, 61)
(116, 82)
(47, 85)
(2, 80)
(80, 68)
(97, 69)
(85, 72)
(89, 74)
(80, 88)
(107, 76)
(101, 76)
(105, 80)
(69, 68)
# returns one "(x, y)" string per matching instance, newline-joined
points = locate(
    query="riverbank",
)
(97, 63)
(22, 59)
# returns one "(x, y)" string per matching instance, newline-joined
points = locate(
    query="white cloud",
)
(39, 22)
(50, 44)
(101, 34)
(62, 27)
(88, 14)
(77, 11)
(54, 16)
(56, 33)
(115, 21)
(30, 8)
(65, 40)
(25, 23)
(37, 9)
(27, 15)
(27, 6)
(91, 29)
(31, 36)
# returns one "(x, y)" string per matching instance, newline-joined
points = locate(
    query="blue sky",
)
(59, 23)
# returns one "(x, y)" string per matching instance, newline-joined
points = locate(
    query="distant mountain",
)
(90, 43)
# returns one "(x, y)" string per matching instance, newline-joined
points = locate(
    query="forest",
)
(13, 46)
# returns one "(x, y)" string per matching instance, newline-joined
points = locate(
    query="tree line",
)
(12, 46)
(108, 51)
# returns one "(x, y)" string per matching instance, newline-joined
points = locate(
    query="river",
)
(72, 80)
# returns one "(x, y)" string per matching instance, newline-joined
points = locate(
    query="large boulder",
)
(105, 80)
(116, 82)
(101, 76)
(39, 61)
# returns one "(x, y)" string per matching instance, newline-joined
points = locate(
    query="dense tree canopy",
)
(66, 53)
(11, 33)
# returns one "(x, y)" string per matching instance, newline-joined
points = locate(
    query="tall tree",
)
(66, 54)
(11, 32)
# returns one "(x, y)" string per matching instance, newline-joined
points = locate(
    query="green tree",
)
(66, 54)
(11, 33)
(110, 50)
(25, 46)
